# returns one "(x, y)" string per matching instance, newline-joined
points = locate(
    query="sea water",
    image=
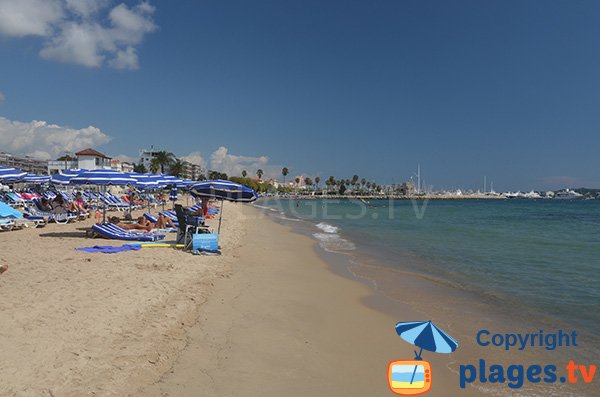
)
(538, 256)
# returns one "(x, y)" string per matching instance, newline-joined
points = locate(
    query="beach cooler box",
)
(205, 242)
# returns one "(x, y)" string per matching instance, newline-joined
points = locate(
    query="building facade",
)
(24, 163)
(88, 159)
(191, 171)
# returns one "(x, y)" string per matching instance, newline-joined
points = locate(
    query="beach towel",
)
(108, 249)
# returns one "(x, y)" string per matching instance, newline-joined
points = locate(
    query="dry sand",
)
(267, 318)
(80, 324)
(285, 325)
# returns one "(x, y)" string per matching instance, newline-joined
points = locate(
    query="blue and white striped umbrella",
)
(33, 178)
(102, 177)
(173, 194)
(64, 177)
(165, 180)
(9, 174)
(223, 190)
(426, 335)
(146, 181)
(185, 184)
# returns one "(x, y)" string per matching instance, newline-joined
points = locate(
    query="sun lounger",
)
(6, 224)
(111, 231)
(15, 218)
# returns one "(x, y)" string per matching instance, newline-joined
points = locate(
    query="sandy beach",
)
(269, 317)
(80, 324)
(265, 318)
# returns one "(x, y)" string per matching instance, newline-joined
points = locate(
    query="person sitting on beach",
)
(163, 222)
(202, 211)
(143, 223)
(59, 205)
(45, 205)
(79, 204)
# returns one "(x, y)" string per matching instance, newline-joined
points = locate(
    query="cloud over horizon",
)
(45, 141)
(83, 32)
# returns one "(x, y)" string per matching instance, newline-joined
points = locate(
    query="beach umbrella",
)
(102, 178)
(425, 335)
(169, 180)
(9, 174)
(64, 177)
(146, 182)
(173, 194)
(36, 179)
(223, 190)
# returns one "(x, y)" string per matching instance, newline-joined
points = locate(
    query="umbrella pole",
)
(104, 207)
(220, 216)
(415, 370)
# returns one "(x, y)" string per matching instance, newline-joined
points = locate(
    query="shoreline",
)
(274, 315)
(286, 323)
(395, 289)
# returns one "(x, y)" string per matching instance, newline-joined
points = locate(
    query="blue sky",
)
(506, 89)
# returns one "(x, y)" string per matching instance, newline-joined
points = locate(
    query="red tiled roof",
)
(91, 152)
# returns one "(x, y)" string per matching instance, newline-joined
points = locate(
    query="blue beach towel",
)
(108, 249)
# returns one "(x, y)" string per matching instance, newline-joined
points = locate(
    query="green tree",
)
(308, 181)
(297, 179)
(317, 180)
(66, 157)
(259, 173)
(161, 161)
(176, 168)
(342, 189)
(244, 173)
(139, 168)
(284, 172)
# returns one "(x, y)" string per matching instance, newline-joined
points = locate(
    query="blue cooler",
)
(205, 242)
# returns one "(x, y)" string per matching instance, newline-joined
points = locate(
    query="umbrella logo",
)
(413, 377)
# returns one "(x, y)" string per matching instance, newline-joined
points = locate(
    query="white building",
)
(88, 159)
(146, 156)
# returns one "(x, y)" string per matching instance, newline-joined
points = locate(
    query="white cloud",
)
(127, 159)
(47, 141)
(84, 32)
(195, 158)
(20, 18)
(221, 160)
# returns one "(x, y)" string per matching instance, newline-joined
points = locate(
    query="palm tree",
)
(284, 172)
(154, 165)
(244, 173)
(139, 168)
(176, 169)
(317, 180)
(308, 181)
(259, 173)
(162, 160)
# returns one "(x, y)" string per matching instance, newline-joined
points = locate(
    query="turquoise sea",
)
(532, 256)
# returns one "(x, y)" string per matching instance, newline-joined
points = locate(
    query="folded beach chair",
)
(111, 231)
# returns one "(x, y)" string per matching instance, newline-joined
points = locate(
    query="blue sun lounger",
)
(108, 230)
